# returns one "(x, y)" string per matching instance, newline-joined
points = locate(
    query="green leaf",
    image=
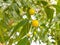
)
(1, 36)
(24, 42)
(25, 30)
(58, 2)
(20, 24)
(57, 8)
(44, 3)
(49, 13)
(38, 2)
(1, 15)
(5, 0)
(10, 42)
(58, 43)
(15, 6)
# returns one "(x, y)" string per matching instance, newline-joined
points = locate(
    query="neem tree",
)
(22, 21)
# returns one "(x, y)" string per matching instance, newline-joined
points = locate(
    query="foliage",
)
(16, 24)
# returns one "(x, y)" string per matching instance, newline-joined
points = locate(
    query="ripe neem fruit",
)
(35, 32)
(35, 23)
(31, 11)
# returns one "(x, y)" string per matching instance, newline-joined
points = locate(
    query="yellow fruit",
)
(35, 33)
(31, 11)
(35, 23)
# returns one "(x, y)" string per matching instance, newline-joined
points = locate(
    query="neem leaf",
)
(24, 42)
(49, 13)
(44, 3)
(21, 23)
